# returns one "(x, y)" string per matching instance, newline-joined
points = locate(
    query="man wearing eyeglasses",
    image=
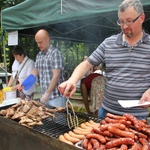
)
(127, 59)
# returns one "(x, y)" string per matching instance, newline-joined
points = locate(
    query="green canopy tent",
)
(78, 20)
(75, 20)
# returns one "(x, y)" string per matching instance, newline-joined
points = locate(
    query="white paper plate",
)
(131, 103)
(10, 102)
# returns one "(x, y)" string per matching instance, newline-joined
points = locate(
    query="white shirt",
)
(25, 72)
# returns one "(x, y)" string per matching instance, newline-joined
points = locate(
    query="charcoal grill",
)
(17, 137)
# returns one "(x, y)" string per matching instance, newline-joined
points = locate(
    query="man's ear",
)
(142, 17)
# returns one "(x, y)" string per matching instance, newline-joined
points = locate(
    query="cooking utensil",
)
(72, 118)
(28, 82)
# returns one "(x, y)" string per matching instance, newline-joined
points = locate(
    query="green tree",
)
(5, 4)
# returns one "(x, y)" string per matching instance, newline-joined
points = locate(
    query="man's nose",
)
(124, 26)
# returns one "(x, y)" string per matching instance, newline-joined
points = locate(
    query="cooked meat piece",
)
(39, 123)
(10, 112)
(30, 112)
(50, 114)
(25, 119)
(40, 113)
(17, 115)
(33, 110)
(34, 123)
(44, 117)
(3, 112)
(26, 108)
(17, 105)
(58, 109)
(36, 103)
(24, 124)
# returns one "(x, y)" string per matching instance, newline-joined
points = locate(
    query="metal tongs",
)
(72, 118)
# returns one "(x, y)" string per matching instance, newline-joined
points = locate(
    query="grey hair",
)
(131, 3)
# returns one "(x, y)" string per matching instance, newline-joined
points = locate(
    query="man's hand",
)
(17, 87)
(67, 88)
(45, 97)
(145, 97)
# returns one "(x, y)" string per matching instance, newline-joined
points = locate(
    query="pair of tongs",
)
(72, 118)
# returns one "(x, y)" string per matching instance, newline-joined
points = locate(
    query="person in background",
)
(127, 60)
(21, 68)
(86, 86)
(98, 69)
(49, 66)
(87, 73)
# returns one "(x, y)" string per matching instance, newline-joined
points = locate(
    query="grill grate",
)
(58, 125)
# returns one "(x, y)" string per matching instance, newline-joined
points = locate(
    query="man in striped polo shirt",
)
(127, 59)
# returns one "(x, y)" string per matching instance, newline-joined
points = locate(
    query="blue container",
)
(28, 82)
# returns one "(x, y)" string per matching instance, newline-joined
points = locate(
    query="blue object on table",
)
(28, 82)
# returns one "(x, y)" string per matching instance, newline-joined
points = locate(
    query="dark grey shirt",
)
(127, 72)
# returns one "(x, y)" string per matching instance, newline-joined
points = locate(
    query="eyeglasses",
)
(128, 23)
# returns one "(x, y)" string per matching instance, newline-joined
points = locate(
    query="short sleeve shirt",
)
(47, 61)
(127, 72)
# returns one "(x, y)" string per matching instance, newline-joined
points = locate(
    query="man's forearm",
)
(10, 81)
(80, 71)
(52, 85)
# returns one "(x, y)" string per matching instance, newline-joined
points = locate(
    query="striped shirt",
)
(127, 72)
(45, 62)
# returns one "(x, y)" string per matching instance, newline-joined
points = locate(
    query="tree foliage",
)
(5, 4)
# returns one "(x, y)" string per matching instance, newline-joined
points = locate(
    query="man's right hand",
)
(67, 88)
(45, 97)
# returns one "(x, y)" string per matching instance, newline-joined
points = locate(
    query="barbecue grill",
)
(17, 137)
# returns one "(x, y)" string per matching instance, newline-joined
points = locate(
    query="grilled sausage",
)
(137, 123)
(70, 138)
(139, 134)
(146, 130)
(62, 138)
(84, 130)
(125, 122)
(118, 125)
(119, 141)
(121, 133)
(104, 133)
(116, 116)
(77, 131)
(82, 125)
(123, 147)
(72, 134)
(99, 137)
(89, 146)
(92, 122)
(95, 143)
(148, 139)
(135, 146)
(102, 147)
(145, 144)
(85, 143)
(91, 125)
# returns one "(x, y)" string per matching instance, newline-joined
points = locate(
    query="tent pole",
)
(5, 64)
(61, 6)
(4, 52)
